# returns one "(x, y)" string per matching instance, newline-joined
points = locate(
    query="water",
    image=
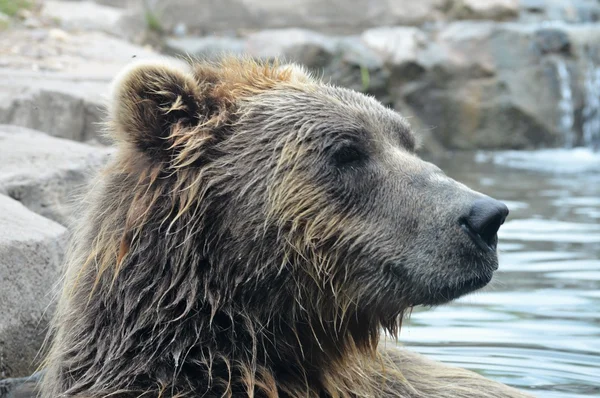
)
(591, 110)
(537, 326)
(590, 115)
(566, 108)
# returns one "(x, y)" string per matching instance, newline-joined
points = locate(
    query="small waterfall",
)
(565, 105)
(591, 110)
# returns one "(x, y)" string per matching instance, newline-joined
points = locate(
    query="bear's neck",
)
(161, 323)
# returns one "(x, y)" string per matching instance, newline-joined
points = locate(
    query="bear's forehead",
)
(368, 109)
(333, 109)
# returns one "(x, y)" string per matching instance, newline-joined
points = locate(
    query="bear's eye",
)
(348, 155)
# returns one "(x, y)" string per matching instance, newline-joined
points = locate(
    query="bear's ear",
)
(152, 100)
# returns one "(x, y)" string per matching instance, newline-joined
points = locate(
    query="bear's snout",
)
(483, 221)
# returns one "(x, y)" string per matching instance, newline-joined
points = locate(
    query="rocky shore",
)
(469, 74)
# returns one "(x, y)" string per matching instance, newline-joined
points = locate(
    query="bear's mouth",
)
(451, 292)
(478, 240)
(471, 284)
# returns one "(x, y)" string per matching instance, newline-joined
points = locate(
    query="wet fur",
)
(181, 282)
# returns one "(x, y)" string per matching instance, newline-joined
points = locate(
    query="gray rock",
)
(59, 107)
(88, 16)
(496, 10)
(204, 47)
(356, 66)
(573, 11)
(208, 17)
(31, 252)
(180, 30)
(552, 40)
(297, 45)
(345, 61)
(496, 85)
(56, 81)
(402, 49)
(464, 47)
(112, 3)
(396, 44)
(478, 114)
(20, 387)
(533, 5)
(45, 173)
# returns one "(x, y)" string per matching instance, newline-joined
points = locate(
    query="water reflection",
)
(537, 326)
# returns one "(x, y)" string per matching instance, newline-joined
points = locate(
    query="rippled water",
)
(537, 326)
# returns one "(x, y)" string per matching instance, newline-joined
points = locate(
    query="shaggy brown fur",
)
(253, 235)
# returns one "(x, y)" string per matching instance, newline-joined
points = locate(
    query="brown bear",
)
(255, 235)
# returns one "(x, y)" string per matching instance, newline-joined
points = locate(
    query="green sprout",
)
(365, 77)
(152, 21)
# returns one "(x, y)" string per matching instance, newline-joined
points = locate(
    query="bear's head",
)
(290, 195)
(251, 205)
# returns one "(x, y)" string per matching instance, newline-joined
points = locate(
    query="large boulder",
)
(358, 67)
(204, 47)
(503, 85)
(31, 251)
(208, 17)
(497, 10)
(572, 11)
(396, 44)
(45, 173)
(60, 105)
(56, 81)
(20, 387)
(89, 16)
(344, 61)
(403, 50)
(299, 45)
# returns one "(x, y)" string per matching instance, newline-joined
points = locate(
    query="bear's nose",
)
(484, 220)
